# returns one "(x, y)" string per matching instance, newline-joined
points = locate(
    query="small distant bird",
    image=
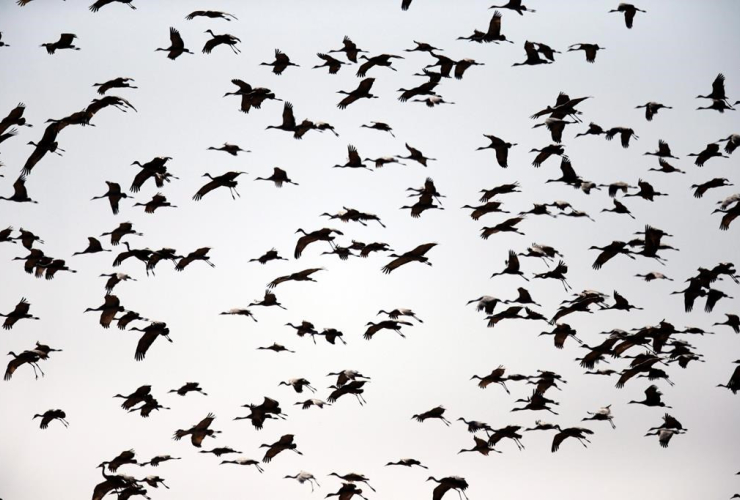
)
(177, 46)
(281, 62)
(66, 41)
(50, 415)
(232, 149)
(415, 255)
(212, 14)
(217, 40)
(629, 11)
(589, 48)
(361, 92)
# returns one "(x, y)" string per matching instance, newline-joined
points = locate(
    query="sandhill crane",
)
(579, 433)
(354, 160)
(533, 56)
(189, 387)
(664, 151)
(652, 108)
(646, 192)
(353, 477)
(593, 129)
(199, 254)
(416, 155)
(507, 226)
(114, 195)
(512, 266)
(154, 462)
(303, 477)
(348, 490)
(20, 195)
(240, 312)
(396, 313)
(311, 402)
(50, 415)
(286, 442)
(487, 208)
(589, 48)
(298, 384)
(136, 397)
(651, 276)
(198, 432)
(546, 152)
(275, 347)
(3, 44)
(116, 83)
(268, 256)
(625, 135)
(433, 101)
(730, 214)
(407, 462)
(437, 412)
(495, 377)
(542, 426)
(232, 149)
(158, 201)
(245, 461)
(125, 457)
(374, 328)
(383, 127)
(734, 383)
(26, 357)
(361, 92)
(354, 387)
(151, 332)
(345, 376)
(102, 3)
(733, 321)
(515, 5)
(20, 312)
(270, 299)
(27, 238)
(66, 41)
(122, 230)
(665, 435)
(217, 40)
(330, 62)
(226, 180)
(629, 11)
(352, 214)
(445, 484)
(718, 90)
(733, 141)
(281, 62)
(717, 182)
(211, 14)
(223, 450)
(499, 190)
(304, 275)
(415, 255)
(710, 151)
(93, 246)
(501, 147)
(382, 60)
(560, 334)
(350, 49)
(604, 413)
(652, 398)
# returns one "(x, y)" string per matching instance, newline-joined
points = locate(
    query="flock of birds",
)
(644, 353)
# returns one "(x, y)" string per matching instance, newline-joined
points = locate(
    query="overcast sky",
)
(672, 54)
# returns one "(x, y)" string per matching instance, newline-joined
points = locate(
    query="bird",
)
(374, 328)
(116, 83)
(717, 182)
(361, 92)
(49, 415)
(407, 462)
(664, 151)
(211, 14)
(245, 461)
(512, 266)
(629, 11)
(232, 149)
(66, 41)
(501, 147)
(123, 458)
(281, 62)
(31, 357)
(652, 108)
(353, 477)
(445, 484)
(652, 398)
(199, 431)
(324, 234)
(733, 321)
(303, 477)
(397, 313)
(604, 413)
(114, 195)
(224, 39)
(734, 383)
(533, 56)
(349, 48)
(286, 442)
(3, 44)
(718, 90)
(437, 412)
(383, 127)
(578, 433)
(710, 151)
(495, 377)
(102, 3)
(18, 313)
(188, 387)
(589, 48)
(664, 435)
(158, 201)
(330, 62)
(515, 5)
(625, 135)
(415, 255)
(20, 194)
(151, 332)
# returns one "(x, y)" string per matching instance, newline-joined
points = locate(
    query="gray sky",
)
(673, 54)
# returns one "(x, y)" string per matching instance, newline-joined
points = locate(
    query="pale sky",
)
(672, 54)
